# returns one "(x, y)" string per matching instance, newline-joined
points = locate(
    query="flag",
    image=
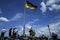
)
(30, 5)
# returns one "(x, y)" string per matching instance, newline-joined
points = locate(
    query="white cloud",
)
(51, 5)
(43, 8)
(17, 16)
(50, 8)
(50, 2)
(4, 19)
(54, 27)
(28, 25)
(33, 21)
(54, 7)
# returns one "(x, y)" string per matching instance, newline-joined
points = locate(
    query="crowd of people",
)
(13, 35)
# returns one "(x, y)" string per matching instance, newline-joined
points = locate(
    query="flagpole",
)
(24, 19)
(49, 30)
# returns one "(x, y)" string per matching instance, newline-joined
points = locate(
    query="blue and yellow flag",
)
(30, 5)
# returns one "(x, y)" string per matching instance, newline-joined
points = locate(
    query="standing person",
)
(3, 32)
(54, 36)
(43, 37)
(32, 34)
(10, 32)
(15, 32)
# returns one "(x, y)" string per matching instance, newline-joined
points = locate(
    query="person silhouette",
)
(32, 34)
(54, 36)
(15, 32)
(3, 32)
(10, 32)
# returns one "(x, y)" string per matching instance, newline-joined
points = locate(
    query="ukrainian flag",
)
(30, 5)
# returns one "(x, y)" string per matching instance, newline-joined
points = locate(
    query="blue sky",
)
(48, 12)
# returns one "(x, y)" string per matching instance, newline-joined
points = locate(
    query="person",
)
(43, 37)
(54, 36)
(3, 32)
(15, 32)
(10, 32)
(32, 34)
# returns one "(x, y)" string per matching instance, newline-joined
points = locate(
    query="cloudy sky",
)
(48, 12)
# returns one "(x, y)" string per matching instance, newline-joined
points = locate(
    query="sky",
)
(47, 13)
